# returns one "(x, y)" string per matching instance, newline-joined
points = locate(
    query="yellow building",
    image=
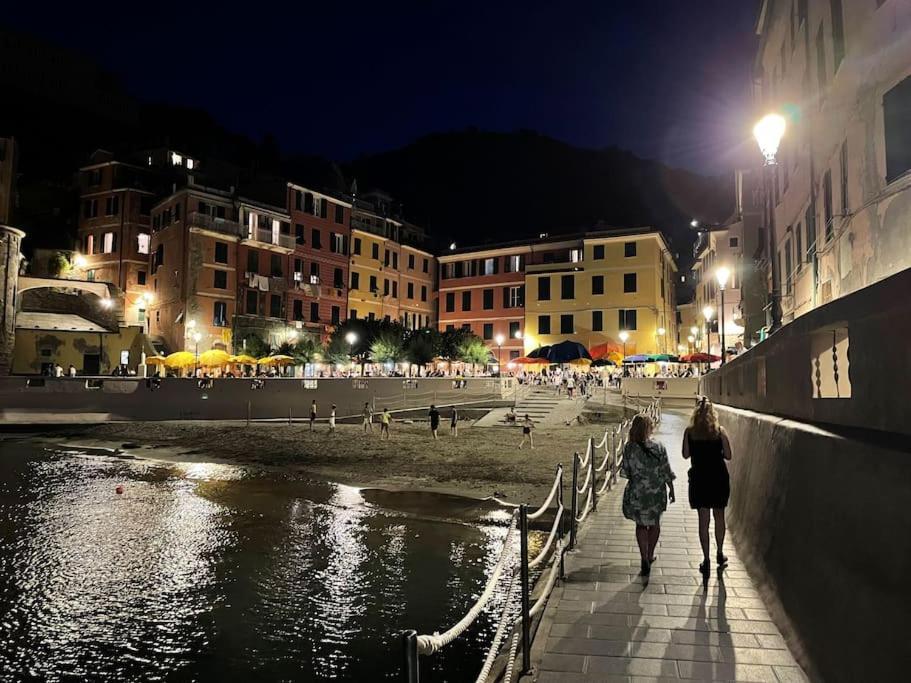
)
(590, 288)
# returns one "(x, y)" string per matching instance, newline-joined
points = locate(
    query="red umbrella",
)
(699, 358)
(530, 361)
(603, 350)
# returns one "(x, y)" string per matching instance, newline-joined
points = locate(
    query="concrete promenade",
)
(606, 623)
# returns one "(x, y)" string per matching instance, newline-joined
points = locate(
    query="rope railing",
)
(566, 522)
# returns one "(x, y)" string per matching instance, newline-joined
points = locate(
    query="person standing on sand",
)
(527, 426)
(312, 413)
(434, 420)
(385, 421)
(454, 423)
(368, 417)
(332, 419)
(651, 483)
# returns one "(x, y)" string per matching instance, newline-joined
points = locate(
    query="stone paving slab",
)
(606, 623)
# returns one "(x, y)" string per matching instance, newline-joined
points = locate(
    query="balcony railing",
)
(266, 236)
(222, 225)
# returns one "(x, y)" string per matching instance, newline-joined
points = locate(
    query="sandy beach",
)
(480, 462)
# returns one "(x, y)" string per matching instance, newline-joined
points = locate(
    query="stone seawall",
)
(824, 520)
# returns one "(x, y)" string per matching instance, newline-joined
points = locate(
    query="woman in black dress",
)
(706, 443)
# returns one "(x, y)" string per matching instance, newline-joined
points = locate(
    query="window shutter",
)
(506, 297)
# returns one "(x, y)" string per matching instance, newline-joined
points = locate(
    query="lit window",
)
(575, 255)
(109, 243)
(176, 159)
(190, 163)
(143, 243)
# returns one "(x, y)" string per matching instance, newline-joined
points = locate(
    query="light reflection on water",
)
(213, 572)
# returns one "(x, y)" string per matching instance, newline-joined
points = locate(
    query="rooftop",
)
(64, 322)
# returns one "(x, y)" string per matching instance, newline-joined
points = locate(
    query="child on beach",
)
(368, 418)
(454, 423)
(332, 419)
(527, 426)
(312, 414)
(385, 421)
(434, 415)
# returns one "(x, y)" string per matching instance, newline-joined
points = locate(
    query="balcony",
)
(220, 225)
(266, 236)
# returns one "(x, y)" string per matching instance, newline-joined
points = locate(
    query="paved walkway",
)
(541, 404)
(606, 623)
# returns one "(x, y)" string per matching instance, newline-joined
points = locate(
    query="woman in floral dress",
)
(651, 482)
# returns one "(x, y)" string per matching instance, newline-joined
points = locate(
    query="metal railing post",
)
(562, 519)
(410, 669)
(526, 598)
(594, 473)
(575, 502)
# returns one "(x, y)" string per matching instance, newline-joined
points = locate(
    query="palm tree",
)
(388, 348)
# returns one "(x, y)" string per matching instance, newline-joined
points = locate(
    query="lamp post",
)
(768, 133)
(499, 340)
(624, 335)
(196, 337)
(661, 333)
(351, 338)
(721, 275)
(708, 312)
(692, 340)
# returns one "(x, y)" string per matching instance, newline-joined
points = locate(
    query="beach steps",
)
(542, 404)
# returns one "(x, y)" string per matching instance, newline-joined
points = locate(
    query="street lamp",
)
(768, 133)
(721, 275)
(351, 338)
(80, 261)
(499, 339)
(692, 340)
(661, 333)
(196, 337)
(624, 335)
(707, 313)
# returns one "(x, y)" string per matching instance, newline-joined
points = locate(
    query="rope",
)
(429, 644)
(551, 580)
(603, 440)
(511, 661)
(604, 462)
(501, 630)
(550, 537)
(588, 477)
(588, 452)
(586, 507)
(553, 491)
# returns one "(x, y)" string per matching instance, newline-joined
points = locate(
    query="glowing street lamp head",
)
(661, 331)
(768, 133)
(149, 298)
(691, 339)
(722, 274)
(694, 330)
(191, 324)
(708, 312)
(107, 302)
(196, 337)
(452, 246)
(351, 338)
(624, 336)
(518, 334)
(499, 339)
(694, 223)
(80, 261)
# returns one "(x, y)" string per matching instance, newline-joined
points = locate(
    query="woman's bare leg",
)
(720, 528)
(704, 532)
(642, 534)
(653, 533)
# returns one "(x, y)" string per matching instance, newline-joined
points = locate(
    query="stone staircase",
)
(541, 404)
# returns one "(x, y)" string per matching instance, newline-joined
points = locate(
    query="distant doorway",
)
(91, 364)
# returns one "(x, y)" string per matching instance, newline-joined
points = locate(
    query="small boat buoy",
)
(119, 490)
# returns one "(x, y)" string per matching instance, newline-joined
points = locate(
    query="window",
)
(90, 208)
(575, 255)
(543, 324)
(220, 279)
(112, 206)
(95, 177)
(450, 302)
(466, 301)
(252, 261)
(355, 280)
(733, 242)
(395, 289)
(339, 213)
(567, 287)
(423, 292)
(221, 252)
(597, 284)
(158, 259)
(386, 257)
(629, 283)
(315, 240)
(252, 302)
(843, 163)
(515, 296)
(566, 323)
(374, 287)
(629, 249)
(314, 312)
(410, 261)
(220, 314)
(426, 265)
(597, 321)
(275, 265)
(514, 264)
(543, 289)
(488, 331)
(352, 314)
(488, 299)
(450, 328)
(337, 245)
(335, 313)
(410, 290)
(141, 277)
(798, 246)
(838, 33)
(357, 246)
(489, 266)
(90, 275)
(385, 286)
(375, 251)
(821, 76)
(297, 309)
(109, 243)
(514, 330)
(176, 212)
(314, 273)
(395, 260)
(598, 252)
(338, 278)
(275, 306)
(627, 319)
(298, 233)
(827, 203)
(145, 205)
(896, 114)
(142, 243)
(810, 220)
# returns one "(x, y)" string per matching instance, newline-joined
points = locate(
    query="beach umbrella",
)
(638, 358)
(615, 357)
(585, 362)
(665, 358)
(602, 362)
(699, 358)
(605, 350)
(180, 359)
(278, 359)
(566, 352)
(155, 360)
(214, 358)
(540, 352)
(243, 359)
(525, 360)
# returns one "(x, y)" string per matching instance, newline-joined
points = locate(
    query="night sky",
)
(666, 80)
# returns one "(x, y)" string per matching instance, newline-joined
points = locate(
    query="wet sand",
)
(479, 463)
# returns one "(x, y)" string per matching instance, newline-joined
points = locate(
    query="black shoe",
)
(653, 560)
(646, 569)
(705, 569)
(722, 560)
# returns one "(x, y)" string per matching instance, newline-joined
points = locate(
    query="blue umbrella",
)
(567, 351)
(540, 352)
(639, 358)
